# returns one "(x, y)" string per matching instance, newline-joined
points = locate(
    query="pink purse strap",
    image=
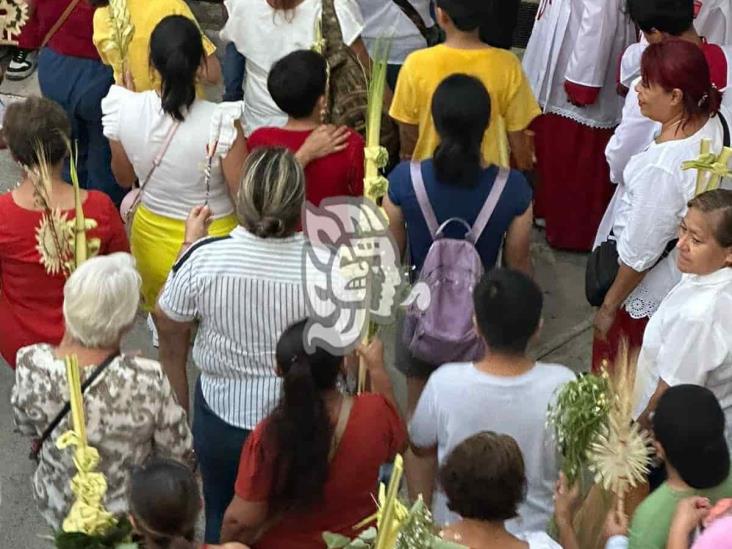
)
(161, 154)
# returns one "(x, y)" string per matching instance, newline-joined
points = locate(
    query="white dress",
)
(138, 122)
(689, 340)
(384, 19)
(579, 41)
(647, 210)
(264, 35)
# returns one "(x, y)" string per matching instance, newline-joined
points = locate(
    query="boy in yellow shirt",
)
(145, 15)
(512, 100)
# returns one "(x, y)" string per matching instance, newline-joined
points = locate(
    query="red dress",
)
(373, 435)
(338, 174)
(30, 298)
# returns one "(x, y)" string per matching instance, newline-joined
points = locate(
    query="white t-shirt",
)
(384, 19)
(651, 204)
(689, 340)
(264, 35)
(460, 401)
(138, 122)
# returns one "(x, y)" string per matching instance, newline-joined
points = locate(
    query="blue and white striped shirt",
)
(244, 291)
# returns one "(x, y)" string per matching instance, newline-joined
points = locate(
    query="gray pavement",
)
(565, 340)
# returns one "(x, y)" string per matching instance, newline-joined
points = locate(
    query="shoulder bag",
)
(59, 23)
(347, 92)
(433, 35)
(37, 443)
(132, 199)
(603, 263)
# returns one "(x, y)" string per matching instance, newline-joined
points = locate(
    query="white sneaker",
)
(22, 64)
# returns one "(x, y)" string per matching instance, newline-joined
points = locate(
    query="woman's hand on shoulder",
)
(230, 545)
(324, 140)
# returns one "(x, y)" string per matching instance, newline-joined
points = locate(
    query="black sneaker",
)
(21, 65)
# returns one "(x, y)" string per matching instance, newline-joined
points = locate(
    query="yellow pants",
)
(155, 242)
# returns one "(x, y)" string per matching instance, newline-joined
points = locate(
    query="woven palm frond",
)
(620, 453)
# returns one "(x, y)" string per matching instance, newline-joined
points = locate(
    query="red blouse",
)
(74, 37)
(338, 174)
(30, 298)
(373, 435)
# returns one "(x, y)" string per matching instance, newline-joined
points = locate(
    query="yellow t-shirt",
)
(144, 15)
(499, 70)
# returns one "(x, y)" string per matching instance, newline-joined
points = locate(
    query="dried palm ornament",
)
(13, 16)
(62, 244)
(620, 453)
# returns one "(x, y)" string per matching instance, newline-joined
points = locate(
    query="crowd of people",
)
(194, 215)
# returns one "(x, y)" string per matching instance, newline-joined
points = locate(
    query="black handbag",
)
(602, 268)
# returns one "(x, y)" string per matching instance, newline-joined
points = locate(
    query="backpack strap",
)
(415, 169)
(490, 205)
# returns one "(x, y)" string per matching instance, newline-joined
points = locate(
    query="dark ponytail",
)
(461, 110)
(164, 501)
(176, 52)
(300, 427)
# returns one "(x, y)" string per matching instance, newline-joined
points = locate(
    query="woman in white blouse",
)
(675, 90)
(138, 126)
(264, 31)
(131, 410)
(689, 339)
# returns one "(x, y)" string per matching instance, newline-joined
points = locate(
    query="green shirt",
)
(652, 520)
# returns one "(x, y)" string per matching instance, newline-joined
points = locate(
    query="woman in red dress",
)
(36, 228)
(313, 464)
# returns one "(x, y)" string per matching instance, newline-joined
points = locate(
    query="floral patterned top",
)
(131, 413)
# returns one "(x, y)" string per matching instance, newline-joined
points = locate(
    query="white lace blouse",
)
(652, 201)
(131, 413)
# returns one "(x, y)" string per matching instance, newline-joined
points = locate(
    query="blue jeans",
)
(79, 85)
(233, 69)
(218, 448)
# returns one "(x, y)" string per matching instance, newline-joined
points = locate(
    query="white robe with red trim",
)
(579, 42)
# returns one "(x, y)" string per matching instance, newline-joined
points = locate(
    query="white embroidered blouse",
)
(648, 210)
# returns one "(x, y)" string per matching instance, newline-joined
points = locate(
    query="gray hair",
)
(101, 298)
(271, 193)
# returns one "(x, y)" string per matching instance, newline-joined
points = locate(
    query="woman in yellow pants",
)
(184, 151)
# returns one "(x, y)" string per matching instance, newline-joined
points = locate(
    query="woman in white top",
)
(485, 481)
(138, 126)
(264, 31)
(675, 90)
(131, 410)
(386, 19)
(689, 339)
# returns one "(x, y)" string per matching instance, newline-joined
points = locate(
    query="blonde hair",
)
(271, 193)
(101, 298)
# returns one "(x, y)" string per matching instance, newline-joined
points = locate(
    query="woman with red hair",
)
(676, 91)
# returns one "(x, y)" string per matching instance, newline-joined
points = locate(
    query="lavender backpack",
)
(445, 332)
